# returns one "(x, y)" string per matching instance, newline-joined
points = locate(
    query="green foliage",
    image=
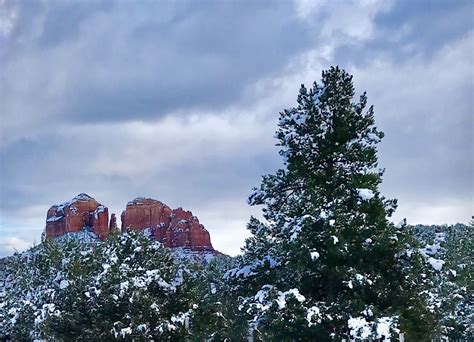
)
(452, 286)
(327, 255)
(128, 287)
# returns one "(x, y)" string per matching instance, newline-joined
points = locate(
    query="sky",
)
(179, 101)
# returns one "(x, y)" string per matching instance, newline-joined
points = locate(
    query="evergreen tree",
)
(129, 287)
(448, 248)
(327, 263)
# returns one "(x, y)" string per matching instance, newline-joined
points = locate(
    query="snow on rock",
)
(365, 194)
(72, 216)
(88, 221)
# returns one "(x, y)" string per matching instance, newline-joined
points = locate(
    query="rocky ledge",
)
(72, 216)
(172, 227)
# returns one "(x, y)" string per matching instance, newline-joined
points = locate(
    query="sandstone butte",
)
(172, 227)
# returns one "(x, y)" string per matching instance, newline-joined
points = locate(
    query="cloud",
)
(8, 17)
(8, 245)
(425, 106)
(126, 62)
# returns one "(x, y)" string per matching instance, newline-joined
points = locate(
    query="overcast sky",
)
(179, 100)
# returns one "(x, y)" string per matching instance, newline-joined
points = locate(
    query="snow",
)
(273, 263)
(98, 210)
(298, 226)
(365, 194)
(310, 313)
(368, 312)
(125, 331)
(431, 249)
(261, 294)
(54, 218)
(63, 284)
(437, 264)
(82, 236)
(299, 119)
(294, 233)
(249, 270)
(295, 292)
(314, 256)
(80, 197)
(317, 95)
(178, 279)
(182, 253)
(359, 327)
(383, 327)
(138, 200)
(281, 299)
(334, 239)
(245, 271)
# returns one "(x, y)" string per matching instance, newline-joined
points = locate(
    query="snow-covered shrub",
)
(128, 287)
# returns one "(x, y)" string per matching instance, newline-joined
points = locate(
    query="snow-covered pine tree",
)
(327, 263)
(129, 287)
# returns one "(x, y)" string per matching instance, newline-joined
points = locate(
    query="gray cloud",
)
(101, 62)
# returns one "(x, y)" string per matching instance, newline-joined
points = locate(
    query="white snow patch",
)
(312, 312)
(359, 327)
(365, 194)
(63, 284)
(314, 255)
(437, 264)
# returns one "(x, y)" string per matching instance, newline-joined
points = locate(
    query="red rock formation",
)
(174, 228)
(82, 211)
(113, 223)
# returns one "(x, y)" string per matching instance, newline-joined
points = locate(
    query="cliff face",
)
(72, 216)
(172, 227)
